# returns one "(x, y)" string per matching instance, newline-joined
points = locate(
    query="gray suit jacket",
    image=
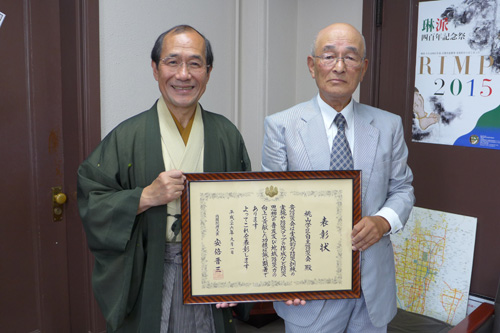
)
(295, 139)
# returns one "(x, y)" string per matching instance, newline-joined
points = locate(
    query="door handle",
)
(58, 200)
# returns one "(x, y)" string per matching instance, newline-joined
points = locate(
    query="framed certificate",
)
(270, 236)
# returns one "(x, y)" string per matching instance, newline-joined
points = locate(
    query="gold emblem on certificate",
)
(271, 191)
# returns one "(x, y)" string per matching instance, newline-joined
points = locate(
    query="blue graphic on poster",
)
(457, 74)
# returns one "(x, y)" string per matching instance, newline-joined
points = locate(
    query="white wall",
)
(260, 49)
(267, 66)
(310, 21)
(128, 30)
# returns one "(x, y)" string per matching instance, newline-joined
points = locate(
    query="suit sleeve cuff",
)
(391, 217)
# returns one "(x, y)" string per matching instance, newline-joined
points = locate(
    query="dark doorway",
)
(452, 179)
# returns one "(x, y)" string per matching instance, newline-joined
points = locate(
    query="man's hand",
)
(225, 305)
(368, 231)
(295, 302)
(167, 187)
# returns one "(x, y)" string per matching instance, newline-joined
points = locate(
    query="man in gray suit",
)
(301, 138)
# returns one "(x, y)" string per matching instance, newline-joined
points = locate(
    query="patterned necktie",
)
(341, 156)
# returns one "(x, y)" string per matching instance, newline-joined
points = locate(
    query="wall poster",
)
(457, 74)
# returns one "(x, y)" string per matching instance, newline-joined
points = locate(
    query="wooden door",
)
(452, 179)
(47, 116)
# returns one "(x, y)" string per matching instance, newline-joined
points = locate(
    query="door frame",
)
(373, 19)
(79, 20)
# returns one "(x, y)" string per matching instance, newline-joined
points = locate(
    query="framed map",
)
(434, 255)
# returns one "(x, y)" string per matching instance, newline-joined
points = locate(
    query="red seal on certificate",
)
(218, 274)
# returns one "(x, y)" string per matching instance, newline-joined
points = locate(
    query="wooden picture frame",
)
(268, 236)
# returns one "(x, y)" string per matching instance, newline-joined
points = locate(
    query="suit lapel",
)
(365, 145)
(313, 135)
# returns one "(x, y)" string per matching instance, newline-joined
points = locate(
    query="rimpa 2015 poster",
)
(457, 74)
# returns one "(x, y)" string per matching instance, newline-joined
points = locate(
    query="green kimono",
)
(129, 248)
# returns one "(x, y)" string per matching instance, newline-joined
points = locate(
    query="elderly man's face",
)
(183, 85)
(337, 82)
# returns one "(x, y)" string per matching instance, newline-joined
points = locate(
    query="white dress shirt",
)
(329, 114)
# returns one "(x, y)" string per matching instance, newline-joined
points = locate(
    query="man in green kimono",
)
(129, 195)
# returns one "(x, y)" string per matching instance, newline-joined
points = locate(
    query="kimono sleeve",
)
(107, 199)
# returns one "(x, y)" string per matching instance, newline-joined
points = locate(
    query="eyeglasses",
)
(193, 65)
(329, 60)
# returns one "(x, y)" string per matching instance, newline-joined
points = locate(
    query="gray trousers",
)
(176, 316)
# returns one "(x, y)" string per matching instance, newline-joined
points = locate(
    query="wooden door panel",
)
(47, 124)
(19, 266)
(33, 246)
